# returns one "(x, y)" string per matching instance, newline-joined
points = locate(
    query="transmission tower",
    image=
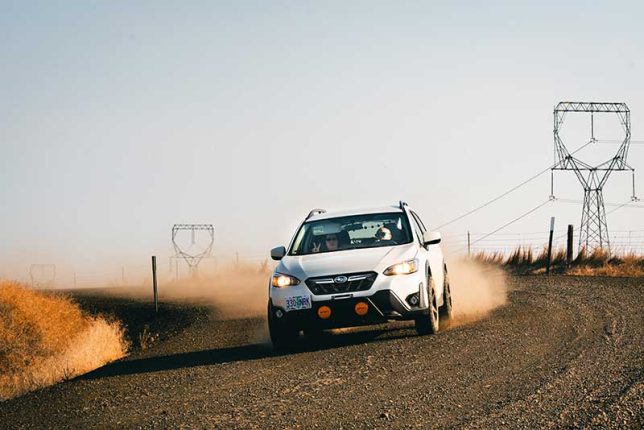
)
(193, 253)
(42, 275)
(593, 232)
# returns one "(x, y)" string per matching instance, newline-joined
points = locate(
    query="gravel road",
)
(564, 353)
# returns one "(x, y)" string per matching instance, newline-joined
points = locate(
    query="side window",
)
(419, 231)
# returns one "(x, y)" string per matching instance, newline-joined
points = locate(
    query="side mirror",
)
(278, 253)
(431, 238)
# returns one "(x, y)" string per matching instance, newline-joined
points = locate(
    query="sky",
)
(119, 119)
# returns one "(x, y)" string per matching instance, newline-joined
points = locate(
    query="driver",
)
(331, 242)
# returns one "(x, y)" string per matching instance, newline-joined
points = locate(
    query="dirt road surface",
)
(564, 353)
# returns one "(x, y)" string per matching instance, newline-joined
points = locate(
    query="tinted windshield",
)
(352, 232)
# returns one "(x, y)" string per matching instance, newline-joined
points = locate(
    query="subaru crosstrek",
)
(355, 268)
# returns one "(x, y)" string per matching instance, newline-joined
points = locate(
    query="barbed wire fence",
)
(622, 241)
(140, 274)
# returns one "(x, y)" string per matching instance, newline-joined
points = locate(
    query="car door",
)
(435, 257)
(423, 254)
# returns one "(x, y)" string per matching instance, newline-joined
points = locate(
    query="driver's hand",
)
(316, 247)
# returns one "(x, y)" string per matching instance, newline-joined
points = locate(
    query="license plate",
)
(296, 303)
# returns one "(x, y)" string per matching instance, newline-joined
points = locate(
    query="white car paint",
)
(361, 260)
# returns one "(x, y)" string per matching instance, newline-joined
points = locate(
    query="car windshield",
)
(352, 232)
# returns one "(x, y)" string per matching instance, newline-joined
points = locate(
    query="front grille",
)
(329, 285)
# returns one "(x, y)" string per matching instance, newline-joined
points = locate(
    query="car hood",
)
(349, 261)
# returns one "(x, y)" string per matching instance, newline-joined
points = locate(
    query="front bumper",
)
(387, 299)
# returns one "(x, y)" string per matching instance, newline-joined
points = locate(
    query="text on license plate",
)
(298, 302)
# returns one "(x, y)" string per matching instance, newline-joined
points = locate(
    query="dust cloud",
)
(241, 291)
(477, 289)
(234, 291)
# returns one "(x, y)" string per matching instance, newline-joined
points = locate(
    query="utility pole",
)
(154, 284)
(569, 245)
(552, 231)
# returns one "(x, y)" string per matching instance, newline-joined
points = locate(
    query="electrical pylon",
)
(42, 275)
(193, 253)
(593, 232)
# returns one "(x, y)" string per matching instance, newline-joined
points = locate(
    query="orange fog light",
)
(361, 308)
(324, 312)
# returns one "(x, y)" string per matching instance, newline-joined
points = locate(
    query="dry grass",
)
(596, 263)
(600, 263)
(520, 257)
(492, 258)
(47, 338)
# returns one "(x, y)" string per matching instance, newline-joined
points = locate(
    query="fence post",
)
(154, 283)
(552, 229)
(569, 245)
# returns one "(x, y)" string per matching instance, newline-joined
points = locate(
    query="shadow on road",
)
(182, 360)
(241, 353)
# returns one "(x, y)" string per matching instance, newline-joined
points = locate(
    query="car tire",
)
(428, 322)
(447, 310)
(283, 337)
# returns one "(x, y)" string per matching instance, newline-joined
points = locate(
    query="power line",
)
(512, 222)
(628, 203)
(622, 205)
(516, 187)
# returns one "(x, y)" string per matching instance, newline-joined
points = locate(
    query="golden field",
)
(46, 338)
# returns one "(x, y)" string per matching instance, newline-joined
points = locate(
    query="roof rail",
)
(315, 212)
(402, 205)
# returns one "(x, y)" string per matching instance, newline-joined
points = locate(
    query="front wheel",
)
(428, 323)
(446, 311)
(283, 337)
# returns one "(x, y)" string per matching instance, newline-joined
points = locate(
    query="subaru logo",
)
(340, 279)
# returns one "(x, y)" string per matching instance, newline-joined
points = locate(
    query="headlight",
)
(280, 281)
(404, 268)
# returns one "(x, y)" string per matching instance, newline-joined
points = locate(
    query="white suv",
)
(356, 268)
